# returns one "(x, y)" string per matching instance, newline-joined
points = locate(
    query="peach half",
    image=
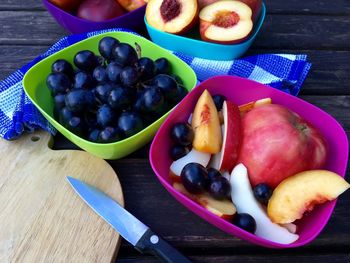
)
(225, 22)
(172, 16)
(301, 192)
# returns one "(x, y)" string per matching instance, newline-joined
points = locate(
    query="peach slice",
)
(206, 125)
(254, 104)
(226, 22)
(172, 16)
(222, 208)
(301, 192)
(131, 5)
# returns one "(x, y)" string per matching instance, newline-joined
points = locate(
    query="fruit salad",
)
(223, 22)
(115, 95)
(258, 165)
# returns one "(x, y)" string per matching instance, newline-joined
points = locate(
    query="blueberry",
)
(102, 92)
(113, 71)
(178, 151)
(65, 115)
(213, 174)
(245, 221)
(62, 66)
(182, 133)
(167, 85)
(106, 45)
(262, 193)
(94, 135)
(100, 74)
(129, 76)
(177, 79)
(85, 60)
(59, 101)
(109, 134)
(90, 119)
(120, 98)
(145, 68)
(76, 100)
(124, 54)
(76, 125)
(219, 188)
(58, 83)
(83, 80)
(130, 123)
(139, 105)
(181, 93)
(105, 115)
(162, 66)
(194, 178)
(153, 99)
(219, 101)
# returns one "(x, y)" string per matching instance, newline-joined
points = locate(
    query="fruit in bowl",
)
(274, 215)
(113, 96)
(67, 5)
(131, 5)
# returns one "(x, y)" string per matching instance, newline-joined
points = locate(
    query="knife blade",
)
(128, 226)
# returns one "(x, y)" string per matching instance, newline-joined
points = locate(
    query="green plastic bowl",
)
(34, 83)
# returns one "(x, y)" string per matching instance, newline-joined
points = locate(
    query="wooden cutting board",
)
(42, 219)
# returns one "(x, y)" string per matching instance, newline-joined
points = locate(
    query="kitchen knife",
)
(128, 226)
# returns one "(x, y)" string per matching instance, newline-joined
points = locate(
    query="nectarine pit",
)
(170, 9)
(226, 19)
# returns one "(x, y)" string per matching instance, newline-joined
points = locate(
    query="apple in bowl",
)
(245, 91)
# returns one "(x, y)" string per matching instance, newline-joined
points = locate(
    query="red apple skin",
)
(66, 5)
(255, 5)
(233, 137)
(278, 143)
(99, 10)
(204, 3)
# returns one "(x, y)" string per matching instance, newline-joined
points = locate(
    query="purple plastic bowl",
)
(132, 20)
(241, 91)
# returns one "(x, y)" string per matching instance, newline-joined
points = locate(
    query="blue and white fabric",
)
(282, 71)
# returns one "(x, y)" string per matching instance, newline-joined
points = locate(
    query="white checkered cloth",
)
(282, 71)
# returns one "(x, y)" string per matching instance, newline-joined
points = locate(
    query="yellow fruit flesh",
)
(300, 192)
(206, 125)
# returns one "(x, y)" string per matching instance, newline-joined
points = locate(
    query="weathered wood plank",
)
(329, 75)
(278, 32)
(273, 6)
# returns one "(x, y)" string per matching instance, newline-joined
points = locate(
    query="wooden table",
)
(318, 28)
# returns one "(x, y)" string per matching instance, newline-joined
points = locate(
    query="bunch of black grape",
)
(113, 96)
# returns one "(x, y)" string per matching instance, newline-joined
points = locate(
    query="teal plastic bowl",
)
(190, 44)
(34, 83)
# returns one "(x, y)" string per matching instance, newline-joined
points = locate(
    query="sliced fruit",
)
(292, 228)
(225, 22)
(253, 104)
(172, 16)
(222, 208)
(193, 156)
(206, 125)
(301, 192)
(232, 136)
(131, 5)
(243, 198)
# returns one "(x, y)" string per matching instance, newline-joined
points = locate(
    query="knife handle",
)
(151, 243)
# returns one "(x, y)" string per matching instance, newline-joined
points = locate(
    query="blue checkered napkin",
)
(281, 71)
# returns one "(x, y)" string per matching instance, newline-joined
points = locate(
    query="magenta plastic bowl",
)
(241, 91)
(132, 20)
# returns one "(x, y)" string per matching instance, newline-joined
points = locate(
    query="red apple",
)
(99, 10)
(66, 5)
(278, 143)
(232, 138)
(225, 22)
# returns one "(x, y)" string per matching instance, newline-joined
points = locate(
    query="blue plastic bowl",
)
(191, 44)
